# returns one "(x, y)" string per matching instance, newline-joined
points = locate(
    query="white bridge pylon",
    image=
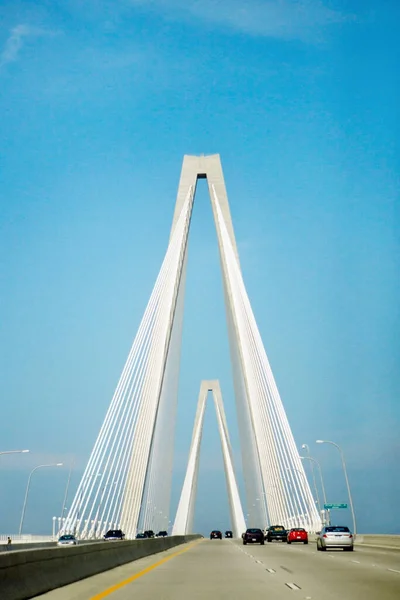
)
(185, 514)
(127, 481)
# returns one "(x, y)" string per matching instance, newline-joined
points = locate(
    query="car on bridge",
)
(228, 534)
(335, 536)
(141, 536)
(149, 533)
(162, 534)
(253, 536)
(275, 532)
(216, 535)
(297, 534)
(113, 535)
(67, 540)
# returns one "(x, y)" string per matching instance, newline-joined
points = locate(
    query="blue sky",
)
(99, 101)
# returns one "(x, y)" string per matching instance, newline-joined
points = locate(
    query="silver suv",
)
(335, 536)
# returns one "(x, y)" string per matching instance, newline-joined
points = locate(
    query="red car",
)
(297, 534)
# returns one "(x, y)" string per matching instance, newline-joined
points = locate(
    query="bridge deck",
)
(227, 569)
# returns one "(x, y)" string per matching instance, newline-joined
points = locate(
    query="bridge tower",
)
(127, 481)
(185, 514)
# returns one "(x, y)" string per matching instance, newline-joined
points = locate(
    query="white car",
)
(67, 540)
(335, 536)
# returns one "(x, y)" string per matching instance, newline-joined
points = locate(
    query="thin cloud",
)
(288, 19)
(15, 41)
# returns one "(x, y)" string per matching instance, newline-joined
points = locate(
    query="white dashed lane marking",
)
(393, 570)
(293, 586)
(271, 570)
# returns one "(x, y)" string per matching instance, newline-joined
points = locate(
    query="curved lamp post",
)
(67, 488)
(14, 452)
(27, 490)
(320, 474)
(346, 478)
(307, 449)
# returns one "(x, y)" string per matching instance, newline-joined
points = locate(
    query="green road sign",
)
(329, 506)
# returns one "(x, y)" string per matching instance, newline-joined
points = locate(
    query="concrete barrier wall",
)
(17, 546)
(28, 573)
(34, 545)
(378, 540)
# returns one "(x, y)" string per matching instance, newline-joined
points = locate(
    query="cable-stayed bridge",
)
(127, 481)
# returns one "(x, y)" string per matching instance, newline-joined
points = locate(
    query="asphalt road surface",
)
(228, 570)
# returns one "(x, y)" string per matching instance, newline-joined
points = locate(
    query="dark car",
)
(114, 534)
(228, 534)
(149, 533)
(141, 536)
(276, 532)
(215, 535)
(253, 536)
(162, 534)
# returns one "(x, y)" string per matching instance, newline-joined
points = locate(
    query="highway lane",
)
(365, 574)
(228, 570)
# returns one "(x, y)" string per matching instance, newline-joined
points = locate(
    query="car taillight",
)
(325, 535)
(351, 535)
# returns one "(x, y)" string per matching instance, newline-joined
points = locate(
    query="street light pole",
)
(298, 471)
(320, 474)
(14, 452)
(67, 489)
(326, 521)
(27, 490)
(346, 478)
(307, 448)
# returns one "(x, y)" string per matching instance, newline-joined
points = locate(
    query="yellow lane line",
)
(122, 584)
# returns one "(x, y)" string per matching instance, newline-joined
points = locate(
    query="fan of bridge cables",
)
(126, 483)
(284, 487)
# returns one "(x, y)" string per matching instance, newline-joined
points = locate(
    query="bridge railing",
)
(24, 538)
